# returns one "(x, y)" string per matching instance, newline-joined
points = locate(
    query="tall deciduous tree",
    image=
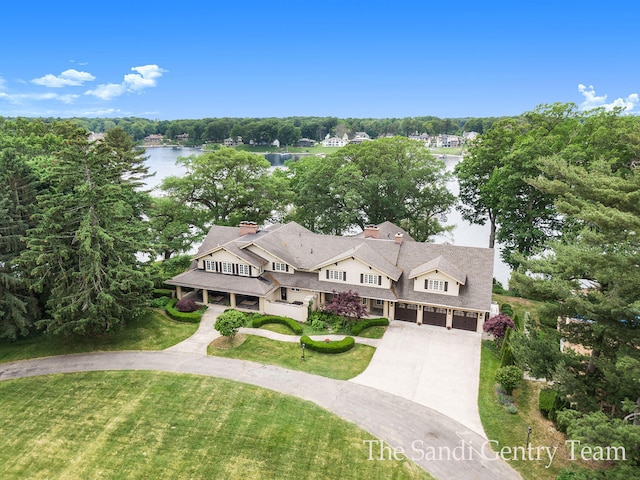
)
(390, 179)
(83, 249)
(228, 186)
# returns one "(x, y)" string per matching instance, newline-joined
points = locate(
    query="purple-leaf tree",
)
(347, 305)
(497, 326)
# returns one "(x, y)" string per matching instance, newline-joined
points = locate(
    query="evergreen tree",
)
(18, 307)
(83, 250)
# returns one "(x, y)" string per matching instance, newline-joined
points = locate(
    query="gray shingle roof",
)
(307, 251)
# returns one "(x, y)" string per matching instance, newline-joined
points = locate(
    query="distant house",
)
(470, 135)
(360, 137)
(448, 141)
(306, 142)
(183, 137)
(335, 141)
(287, 270)
(153, 139)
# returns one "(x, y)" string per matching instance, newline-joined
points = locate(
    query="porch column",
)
(321, 300)
(480, 322)
(261, 302)
(449, 318)
(178, 292)
(205, 296)
(392, 311)
(232, 300)
(419, 312)
(385, 309)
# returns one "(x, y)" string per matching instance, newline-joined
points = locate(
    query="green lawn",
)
(371, 332)
(152, 331)
(151, 425)
(341, 366)
(511, 430)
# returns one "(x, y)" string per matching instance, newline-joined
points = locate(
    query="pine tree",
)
(84, 249)
(18, 307)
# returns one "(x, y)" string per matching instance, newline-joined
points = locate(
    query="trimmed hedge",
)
(338, 346)
(162, 292)
(364, 324)
(178, 316)
(550, 403)
(289, 322)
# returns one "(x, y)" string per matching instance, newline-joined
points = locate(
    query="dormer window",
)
(436, 285)
(280, 267)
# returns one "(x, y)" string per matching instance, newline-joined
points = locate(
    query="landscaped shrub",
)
(550, 403)
(229, 322)
(162, 292)
(498, 325)
(192, 317)
(506, 309)
(509, 377)
(159, 302)
(338, 346)
(186, 305)
(317, 325)
(364, 324)
(506, 354)
(289, 322)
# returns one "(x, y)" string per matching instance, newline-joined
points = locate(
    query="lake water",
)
(162, 161)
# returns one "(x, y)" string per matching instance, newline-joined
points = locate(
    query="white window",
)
(336, 275)
(243, 269)
(210, 265)
(370, 279)
(280, 267)
(379, 303)
(227, 267)
(436, 285)
(363, 301)
(295, 289)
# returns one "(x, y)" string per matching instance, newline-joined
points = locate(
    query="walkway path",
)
(459, 453)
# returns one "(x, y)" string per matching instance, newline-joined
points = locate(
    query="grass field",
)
(511, 429)
(341, 366)
(152, 331)
(150, 425)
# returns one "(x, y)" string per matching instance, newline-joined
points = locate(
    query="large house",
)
(287, 270)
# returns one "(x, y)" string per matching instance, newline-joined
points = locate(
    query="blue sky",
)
(173, 60)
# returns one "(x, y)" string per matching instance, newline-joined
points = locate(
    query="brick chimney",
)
(398, 238)
(371, 231)
(248, 228)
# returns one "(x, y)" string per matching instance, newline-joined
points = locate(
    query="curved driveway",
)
(439, 444)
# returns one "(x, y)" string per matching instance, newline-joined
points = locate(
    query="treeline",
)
(287, 130)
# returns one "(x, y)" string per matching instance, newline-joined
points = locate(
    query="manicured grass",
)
(277, 328)
(152, 331)
(373, 332)
(139, 425)
(519, 305)
(341, 366)
(511, 430)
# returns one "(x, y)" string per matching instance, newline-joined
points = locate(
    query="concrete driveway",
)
(432, 366)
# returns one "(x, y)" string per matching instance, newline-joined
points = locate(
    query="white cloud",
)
(591, 100)
(68, 78)
(19, 98)
(2, 83)
(133, 82)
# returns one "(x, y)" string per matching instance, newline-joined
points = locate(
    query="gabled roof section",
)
(233, 249)
(388, 230)
(366, 254)
(440, 264)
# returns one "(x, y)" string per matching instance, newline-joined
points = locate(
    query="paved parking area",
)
(432, 366)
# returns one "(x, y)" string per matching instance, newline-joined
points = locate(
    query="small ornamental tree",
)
(497, 326)
(509, 377)
(347, 305)
(229, 322)
(186, 305)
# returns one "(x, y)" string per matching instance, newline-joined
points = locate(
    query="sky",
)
(206, 59)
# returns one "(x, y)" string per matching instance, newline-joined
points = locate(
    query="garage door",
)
(435, 316)
(465, 320)
(406, 312)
